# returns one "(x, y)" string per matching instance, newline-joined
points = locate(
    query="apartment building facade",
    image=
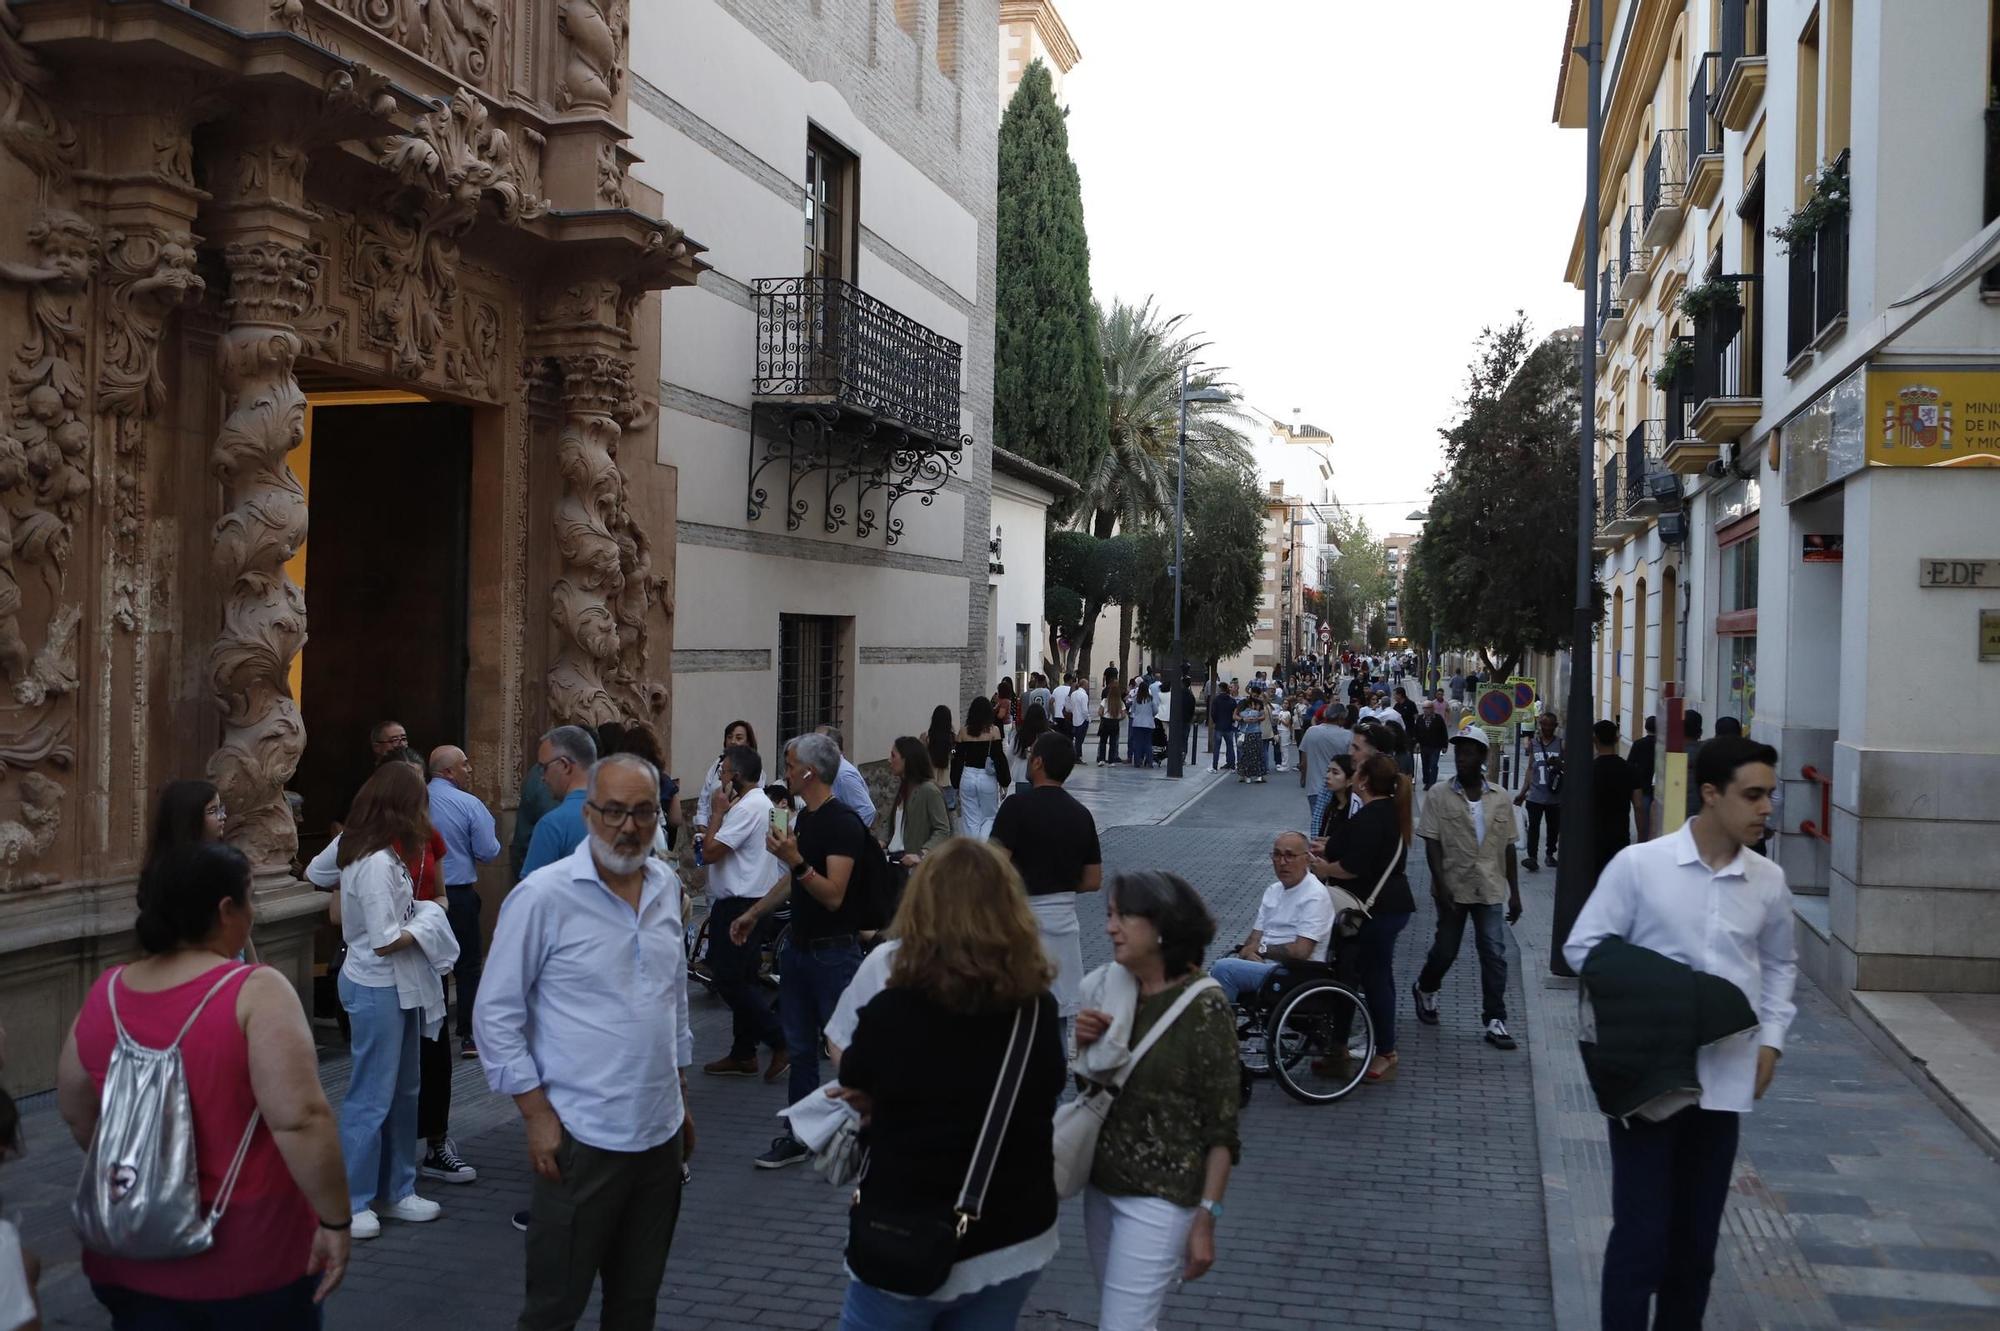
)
(826, 390)
(1798, 420)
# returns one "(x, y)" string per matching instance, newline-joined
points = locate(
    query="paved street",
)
(1431, 1202)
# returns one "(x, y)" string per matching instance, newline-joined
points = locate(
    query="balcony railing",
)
(1611, 503)
(822, 339)
(1743, 29)
(1644, 448)
(1990, 283)
(1679, 390)
(1704, 136)
(1728, 364)
(1817, 298)
(1666, 174)
(849, 390)
(1610, 306)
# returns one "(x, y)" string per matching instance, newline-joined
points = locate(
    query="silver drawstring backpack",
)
(140, 1196)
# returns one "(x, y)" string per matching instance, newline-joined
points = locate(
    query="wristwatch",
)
(1213, 1208)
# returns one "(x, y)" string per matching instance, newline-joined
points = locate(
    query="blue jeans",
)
(1240, 978)
(1370, 959)
(464, 915)
(995, 1308)
(810, 983)
(1489, 931)
(1142, 745)
(378, 1116)
(286, 1308)
(1225, 738)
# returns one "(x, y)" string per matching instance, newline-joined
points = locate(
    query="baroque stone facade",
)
(200, 229)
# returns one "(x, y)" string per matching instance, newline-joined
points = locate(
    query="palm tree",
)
(1132, 485)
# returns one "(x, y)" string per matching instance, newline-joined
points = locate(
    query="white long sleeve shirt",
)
(587, 999)
(1735, 922)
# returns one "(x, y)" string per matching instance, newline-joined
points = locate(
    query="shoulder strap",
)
(111, 995)
(1368, 906)
(999, 1113)
(1167, 1018)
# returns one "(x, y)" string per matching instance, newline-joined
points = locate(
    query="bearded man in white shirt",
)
(1294, 923)
(1703, 898)
(583, 1019)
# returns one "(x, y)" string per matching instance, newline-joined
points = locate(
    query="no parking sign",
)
(1495, 707)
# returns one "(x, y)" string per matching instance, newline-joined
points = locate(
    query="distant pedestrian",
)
(1111, 720)
(1542, 791)
(1170, 1140)
(466, 825)
(1052, 841)
(583, 1020)
(1058, 705)
(1077, 714)
(1142, 710)
(1615, 799)
(1457, 687)
(850, 787)
(979, 770)
(741, 872)
(1250, 724)
(1319, 746)
(1034, 724)
(1642, 758)
(1221, 728)
(1680, 931)
(1005, 709)
(937, 742)
(736, 733)
(1430, 735)
(1468, 832)
(824, 852)
(917, 822)
(1691, 742)
(1038, 693)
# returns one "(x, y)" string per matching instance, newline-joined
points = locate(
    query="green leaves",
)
(1224, 577)
(1048, 383)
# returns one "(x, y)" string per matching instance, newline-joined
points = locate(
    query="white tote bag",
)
(1078, 1122)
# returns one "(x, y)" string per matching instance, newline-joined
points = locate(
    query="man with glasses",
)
(564, 761)
(1294, 923)
(583, 1019)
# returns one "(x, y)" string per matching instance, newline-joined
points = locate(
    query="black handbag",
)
(911, 1252)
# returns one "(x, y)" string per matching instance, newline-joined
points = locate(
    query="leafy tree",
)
(1224, 578)
(1378, 633)
(1497, 559)
(1099, 571)
(1416, 613)
(1131, 486)
(1048, 382)
(1354, 580)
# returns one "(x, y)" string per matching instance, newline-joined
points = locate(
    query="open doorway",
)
(388, 490)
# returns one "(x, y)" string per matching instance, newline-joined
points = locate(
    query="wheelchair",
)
(1306, 1030)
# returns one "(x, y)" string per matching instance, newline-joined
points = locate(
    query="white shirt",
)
(1735, 922)
(1287, 914)
(377, 899)
(1079, 707)
(587, 999)
(870, 979)
(749, 869)
(1059, 703)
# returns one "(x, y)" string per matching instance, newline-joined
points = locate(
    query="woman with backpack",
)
(252, 1081)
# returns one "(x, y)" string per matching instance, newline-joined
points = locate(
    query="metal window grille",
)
(809, 673)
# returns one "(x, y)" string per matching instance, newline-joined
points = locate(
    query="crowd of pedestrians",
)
(928, 949)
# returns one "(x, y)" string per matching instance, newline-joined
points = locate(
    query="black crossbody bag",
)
(910, 1251)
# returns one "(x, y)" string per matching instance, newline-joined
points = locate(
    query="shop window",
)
(1739, 575)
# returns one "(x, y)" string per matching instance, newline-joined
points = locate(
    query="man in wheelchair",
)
(1294, 924)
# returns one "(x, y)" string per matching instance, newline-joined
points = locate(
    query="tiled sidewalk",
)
(1856, 1201)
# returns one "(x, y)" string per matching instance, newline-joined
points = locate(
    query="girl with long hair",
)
(189, 812)
(1374, 849)
(917, 822)
(937, 742)
(979, 770)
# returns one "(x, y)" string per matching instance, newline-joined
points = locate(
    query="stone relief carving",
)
(44, 452)
(592, 565)
(27, 839)
(263, 612)
(474, 365)
(151, 272)
(457, 35)
(610, 178)
(30, 128)
(403, 259)
(594, 34)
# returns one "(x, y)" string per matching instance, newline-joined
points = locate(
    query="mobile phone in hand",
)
(781, 821)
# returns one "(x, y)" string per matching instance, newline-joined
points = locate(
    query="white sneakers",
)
(412, 1209)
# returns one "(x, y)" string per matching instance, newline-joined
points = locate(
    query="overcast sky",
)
(1340, 194)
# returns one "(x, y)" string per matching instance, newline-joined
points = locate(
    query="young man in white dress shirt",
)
(583, 1019)
(1703, 898)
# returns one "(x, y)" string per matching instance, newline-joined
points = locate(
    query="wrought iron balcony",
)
(1633, 254)
(1728, 365)
(1610, 305)
(1816, 299)
(1666, 177)
(850, 387)
(1745, 24)
(1989, 284)
(1648, 483)
(1704, 134)
(1610, 509)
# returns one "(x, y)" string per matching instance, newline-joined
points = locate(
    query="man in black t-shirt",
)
(825, 854)
(1641, 760)
(1615, 796)
(1052, 840)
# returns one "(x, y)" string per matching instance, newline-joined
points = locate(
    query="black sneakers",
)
(1427, 1006)
(443, 1162)
(1496, 1035)
(784, 1151)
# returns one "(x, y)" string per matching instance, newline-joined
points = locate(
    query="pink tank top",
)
(265, 1237)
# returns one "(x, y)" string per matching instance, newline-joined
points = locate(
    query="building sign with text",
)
(1897, 417)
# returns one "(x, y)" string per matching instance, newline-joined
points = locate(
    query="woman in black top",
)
(921, 1071)
(1377, 838)
(979, 770)
(938, 741)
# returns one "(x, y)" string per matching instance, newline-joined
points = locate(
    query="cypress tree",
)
(1048, 375)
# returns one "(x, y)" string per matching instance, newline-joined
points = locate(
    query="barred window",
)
(810, 680)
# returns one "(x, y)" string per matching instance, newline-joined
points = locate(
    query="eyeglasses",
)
(645, 815)
(1285, 854)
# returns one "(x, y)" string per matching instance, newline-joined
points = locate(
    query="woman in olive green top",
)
(917, 823)
(1164, 1156)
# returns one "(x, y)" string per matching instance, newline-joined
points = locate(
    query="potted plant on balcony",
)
(1828, 200)
(1708, 299)
(1676, 360)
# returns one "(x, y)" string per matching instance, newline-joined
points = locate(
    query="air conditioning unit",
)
(1674, 528)
(1664, 487)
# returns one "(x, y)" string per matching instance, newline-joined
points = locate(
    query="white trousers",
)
(1138, 1249)
(978, 802)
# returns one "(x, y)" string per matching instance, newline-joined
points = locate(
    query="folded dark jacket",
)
(1652, 1015)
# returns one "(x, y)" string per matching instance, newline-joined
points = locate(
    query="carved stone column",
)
(589, 513)
(263, 610)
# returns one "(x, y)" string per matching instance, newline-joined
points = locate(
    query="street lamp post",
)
(1177, 731)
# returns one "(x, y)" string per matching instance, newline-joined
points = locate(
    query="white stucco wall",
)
(1020, 511)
